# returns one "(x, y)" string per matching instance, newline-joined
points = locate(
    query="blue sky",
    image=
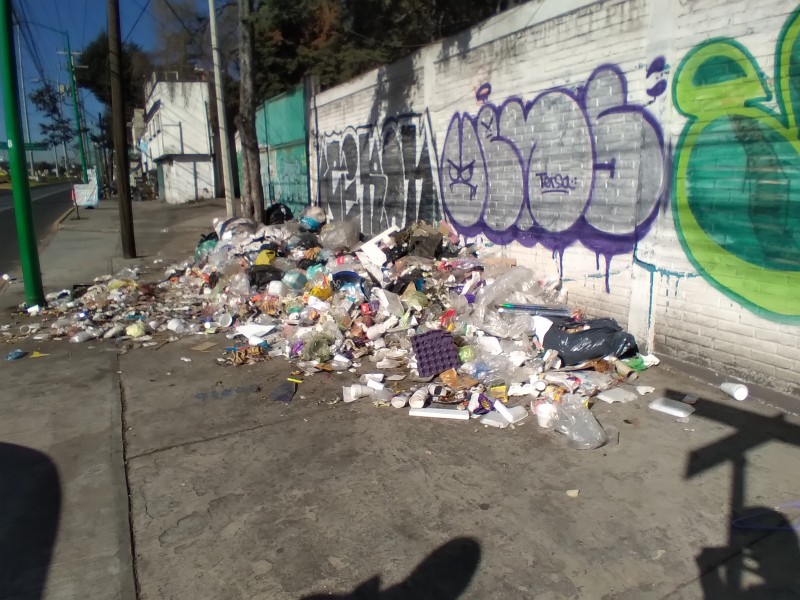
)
(83, 19)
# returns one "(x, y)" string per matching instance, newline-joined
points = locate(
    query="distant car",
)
(5, 177)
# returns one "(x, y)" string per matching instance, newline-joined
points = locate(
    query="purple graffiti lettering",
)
(567, 166)
(659, 88)
(482, 95)
(556, 183)
(658, 65)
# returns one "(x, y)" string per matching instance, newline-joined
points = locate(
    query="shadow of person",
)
(762, 561)
(30, 508)
(444, 575)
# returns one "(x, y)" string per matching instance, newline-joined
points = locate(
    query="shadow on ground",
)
(30, 497)
(762, 558)
(444, 575)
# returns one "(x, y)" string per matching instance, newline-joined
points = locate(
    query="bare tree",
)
(252, 189)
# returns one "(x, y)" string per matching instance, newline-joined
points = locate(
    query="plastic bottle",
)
(83, 336)
(295, 280)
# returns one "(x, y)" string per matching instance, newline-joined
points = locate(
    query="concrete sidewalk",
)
(235, 496)
(64, 523)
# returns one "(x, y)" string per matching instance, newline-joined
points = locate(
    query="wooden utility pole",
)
(120, 134)
(222, 119)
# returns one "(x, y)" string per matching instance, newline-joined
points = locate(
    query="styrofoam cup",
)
(545, 415)
(276, 288)
(737, 391)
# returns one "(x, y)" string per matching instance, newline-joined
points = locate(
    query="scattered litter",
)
(16, 354)
(672, 407)
(546, 415)
(645, 389)
(617, 395)
(690, 399)
(419, 317)
(186, 359)
(573, 493)
(440, 413)
(37, 354)
(512, 415)
(284, 391)
(737, 391)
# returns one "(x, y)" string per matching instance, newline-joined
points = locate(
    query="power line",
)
(177, 16)
(58, 14)
(136, 22)
(20, 17)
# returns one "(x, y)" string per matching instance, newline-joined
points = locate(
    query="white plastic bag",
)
(575, 421)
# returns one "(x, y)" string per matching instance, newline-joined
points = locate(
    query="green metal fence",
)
(281, 133)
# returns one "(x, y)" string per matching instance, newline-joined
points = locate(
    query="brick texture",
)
(558, 137)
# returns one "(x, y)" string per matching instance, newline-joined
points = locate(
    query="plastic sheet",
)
(576, 422)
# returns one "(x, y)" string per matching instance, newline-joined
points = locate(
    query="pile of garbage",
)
(449, 329)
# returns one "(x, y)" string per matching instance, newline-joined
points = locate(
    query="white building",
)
(176, 145)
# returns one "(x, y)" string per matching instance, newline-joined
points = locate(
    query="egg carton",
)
(435, 352)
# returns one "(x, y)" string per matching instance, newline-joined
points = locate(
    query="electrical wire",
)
(136, 22)
(20, 17)
(177, 16)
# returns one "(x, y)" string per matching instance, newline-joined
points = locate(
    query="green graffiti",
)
(736, 180)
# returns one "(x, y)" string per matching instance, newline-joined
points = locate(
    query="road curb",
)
(63, 217)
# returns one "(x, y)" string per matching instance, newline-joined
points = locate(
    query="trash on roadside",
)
(284, 391)
(737, 391)
(415, 317)
(440, 413)
(617, 394)
(16, 354)
(675, 408)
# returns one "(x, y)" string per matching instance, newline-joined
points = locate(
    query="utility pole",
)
(71, 72)
(120, 134)
(23, 213)
(25, 123)
(222, 119)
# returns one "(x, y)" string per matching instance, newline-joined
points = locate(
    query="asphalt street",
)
(49, 203)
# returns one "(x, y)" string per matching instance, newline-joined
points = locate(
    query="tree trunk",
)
(252, 189)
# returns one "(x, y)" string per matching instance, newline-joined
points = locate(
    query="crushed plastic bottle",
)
(84, 336)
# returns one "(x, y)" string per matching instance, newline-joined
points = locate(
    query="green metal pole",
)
(23, 213)
(77, 108)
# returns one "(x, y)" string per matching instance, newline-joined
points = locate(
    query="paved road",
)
(49, 203)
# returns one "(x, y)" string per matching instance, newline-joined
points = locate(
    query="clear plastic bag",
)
(342, 235)
(517, 285)
(576, 422)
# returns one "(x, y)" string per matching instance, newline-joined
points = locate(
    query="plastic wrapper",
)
(229, 228)
(342, 235)
(85, 335)
(516, 285)
(203, 249)
(490, 368)
(577, 422)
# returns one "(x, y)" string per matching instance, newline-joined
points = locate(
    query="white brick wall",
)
(427, 138)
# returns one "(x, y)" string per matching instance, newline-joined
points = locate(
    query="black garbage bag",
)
(604, 337)
(261, 275)
(278, 214)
